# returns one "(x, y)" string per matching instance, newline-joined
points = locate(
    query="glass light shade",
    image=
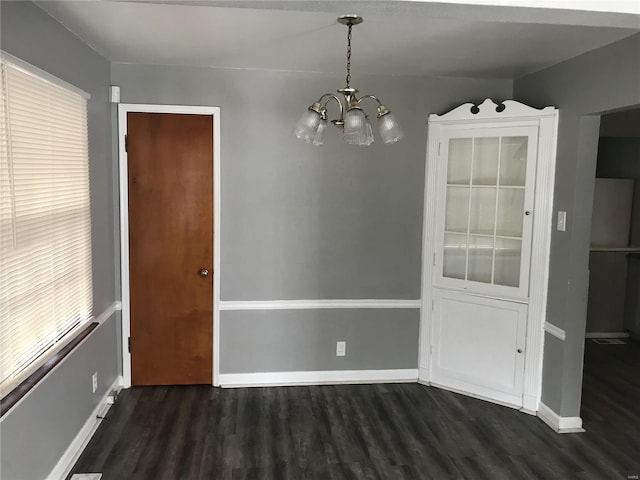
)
(307, 126)
(390, 129)
(320, 133)
(355, 127)
(369, 140)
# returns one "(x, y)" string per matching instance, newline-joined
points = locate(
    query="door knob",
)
(519, 350)
(204, 272)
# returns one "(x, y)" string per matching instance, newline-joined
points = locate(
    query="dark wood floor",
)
(403, 431)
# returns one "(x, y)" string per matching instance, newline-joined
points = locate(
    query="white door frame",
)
(123, 110)
(488, 115)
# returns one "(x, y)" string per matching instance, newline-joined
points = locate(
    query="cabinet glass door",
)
(485, 227)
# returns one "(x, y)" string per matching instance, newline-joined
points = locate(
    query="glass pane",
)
(459, 163)
(454, 255)
(510, 212)
(480, 258)
(507, 268)
(483, 209)
(485, 161)
(513, 161)
(457, 209)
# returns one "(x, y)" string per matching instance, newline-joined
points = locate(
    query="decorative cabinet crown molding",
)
(489, 110)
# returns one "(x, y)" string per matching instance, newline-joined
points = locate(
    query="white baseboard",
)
(330, 377)
(530, 404)
(504, 403)
(76, 447)
(423, 376)
(606, 335)
(557, 423)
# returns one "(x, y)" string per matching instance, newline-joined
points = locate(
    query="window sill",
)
(24, 387)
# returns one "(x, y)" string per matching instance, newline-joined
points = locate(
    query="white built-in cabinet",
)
(488, 215)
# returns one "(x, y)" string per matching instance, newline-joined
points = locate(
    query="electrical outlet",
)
(94, 382)
(341, 349)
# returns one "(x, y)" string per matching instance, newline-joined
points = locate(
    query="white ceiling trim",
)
(594, 13)
(612, 6)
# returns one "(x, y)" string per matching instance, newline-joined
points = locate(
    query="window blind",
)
(45, 222)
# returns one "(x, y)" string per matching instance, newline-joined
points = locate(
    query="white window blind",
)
(45, 223)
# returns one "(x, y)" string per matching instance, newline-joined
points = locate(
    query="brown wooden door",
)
(170, 175)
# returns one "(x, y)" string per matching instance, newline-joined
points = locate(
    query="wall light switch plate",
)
(562, 221)
(341, 349)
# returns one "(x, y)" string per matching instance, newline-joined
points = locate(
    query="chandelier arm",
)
(325, 95)
(382, 109)
(333, 97)
(369, 96)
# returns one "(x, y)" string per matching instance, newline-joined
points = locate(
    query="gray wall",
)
(298, 221)
(304, 222)
(601, 80)
(304, 340)
(632, 304)
(38, 430)
(625, 123)
(607, 291)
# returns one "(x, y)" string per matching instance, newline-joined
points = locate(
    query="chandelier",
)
(353, 121)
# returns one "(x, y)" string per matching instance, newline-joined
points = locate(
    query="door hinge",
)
(434, 258)
(439, 145)
(432, 302)
(129, 344)
(126, 142)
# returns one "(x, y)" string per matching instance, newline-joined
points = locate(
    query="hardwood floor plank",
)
(368, 432)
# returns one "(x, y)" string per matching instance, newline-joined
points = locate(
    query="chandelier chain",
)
(349, 56)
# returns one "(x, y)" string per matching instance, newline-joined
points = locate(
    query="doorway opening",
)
(613, 309)
(611, 384)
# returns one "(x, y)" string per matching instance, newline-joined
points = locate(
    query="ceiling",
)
(396, 38)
